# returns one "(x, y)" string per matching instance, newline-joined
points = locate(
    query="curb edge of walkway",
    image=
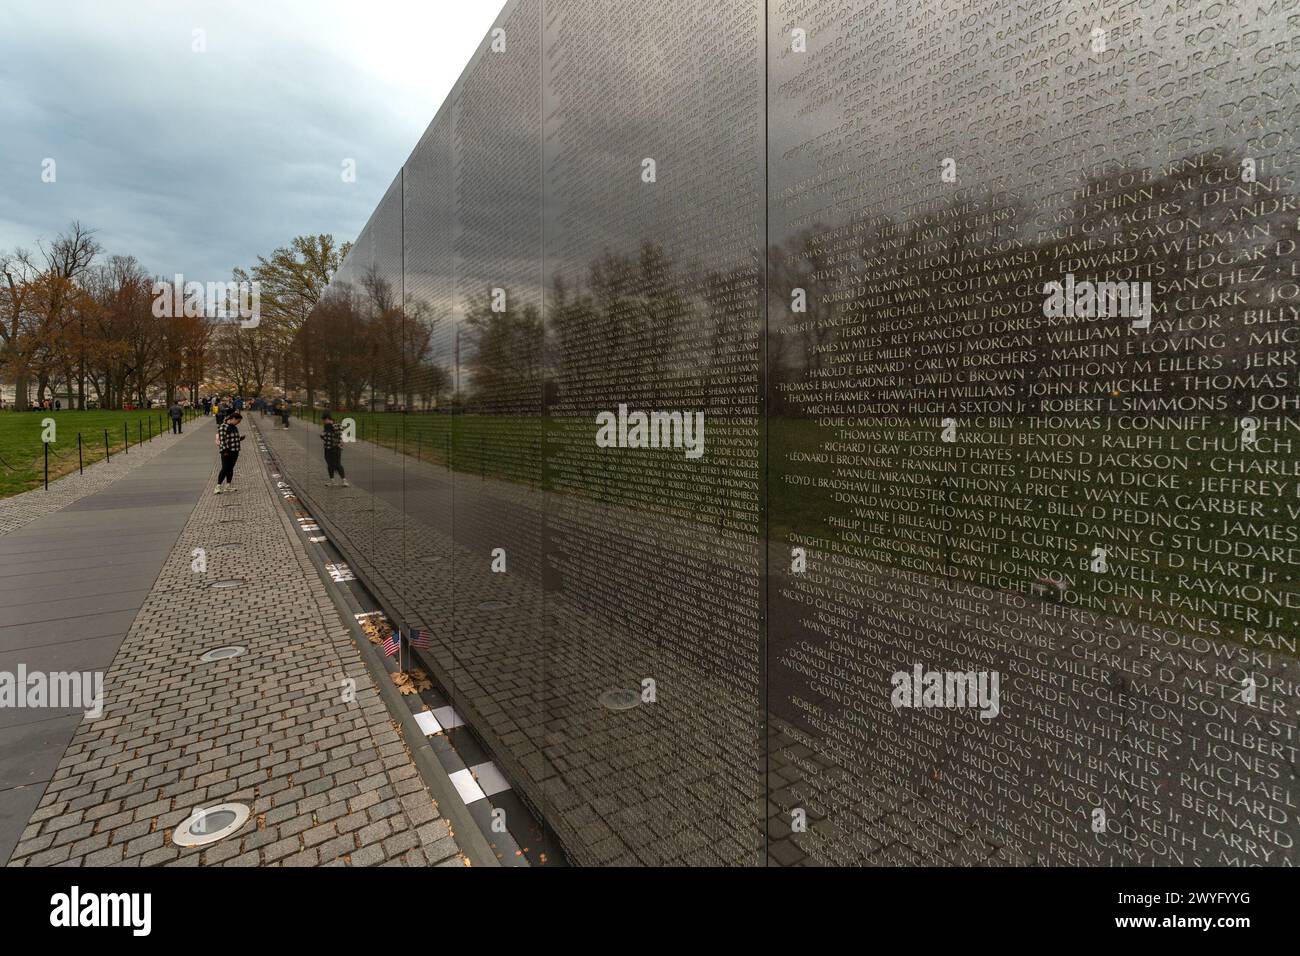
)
(469, 836)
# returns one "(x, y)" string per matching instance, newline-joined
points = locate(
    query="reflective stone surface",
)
(1064, 499)
(963, 564)
(654, 232)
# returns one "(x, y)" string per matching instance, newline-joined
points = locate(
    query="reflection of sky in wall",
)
(612, 130)
(1004, 96)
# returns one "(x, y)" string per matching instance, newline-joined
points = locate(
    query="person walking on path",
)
(333, 440)
(228, 440)
(284, 413)
(175, 411)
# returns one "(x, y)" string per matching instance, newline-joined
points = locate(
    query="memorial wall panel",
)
(500, 673)
(382, 285)
(425, 566)
(654, 219)
(1033, 421)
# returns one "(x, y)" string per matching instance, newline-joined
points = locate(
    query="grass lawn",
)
(22, 457)
(477, 444)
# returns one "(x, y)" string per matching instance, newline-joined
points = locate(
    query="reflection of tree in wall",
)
(423, 379)
(383, 340)
(359, 339)
(796, 338)
(502, 354)
(623, 328)
(340, 328)
(1197, 230)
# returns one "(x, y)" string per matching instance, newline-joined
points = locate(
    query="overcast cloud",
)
(196, 162)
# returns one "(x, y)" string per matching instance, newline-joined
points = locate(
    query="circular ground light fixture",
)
(223, 653)
(210, 825)
(228, 583)
(620, 698)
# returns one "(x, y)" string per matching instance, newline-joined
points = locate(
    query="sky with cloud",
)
(198, 151)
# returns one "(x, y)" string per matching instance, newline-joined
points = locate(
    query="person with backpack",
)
(228, 441)
(333, 439)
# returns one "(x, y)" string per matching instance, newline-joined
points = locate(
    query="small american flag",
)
(392, 644)
(421, 639)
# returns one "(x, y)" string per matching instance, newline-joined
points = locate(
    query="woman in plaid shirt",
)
(228, 440)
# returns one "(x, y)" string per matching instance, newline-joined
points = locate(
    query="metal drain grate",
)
(210, 825)
(223, 653)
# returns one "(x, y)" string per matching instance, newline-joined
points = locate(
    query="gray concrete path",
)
(71, 584)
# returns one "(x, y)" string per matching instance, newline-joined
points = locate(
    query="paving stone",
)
(319, 834)
(441, 849)
(368, 856)
(374, 832)
(110, 856)
(281, 848)
(305, 858)
(401, 842)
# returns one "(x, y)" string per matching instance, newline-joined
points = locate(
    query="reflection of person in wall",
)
(333, 439)
(228, 441)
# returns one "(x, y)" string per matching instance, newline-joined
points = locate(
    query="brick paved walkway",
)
(329, 780)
